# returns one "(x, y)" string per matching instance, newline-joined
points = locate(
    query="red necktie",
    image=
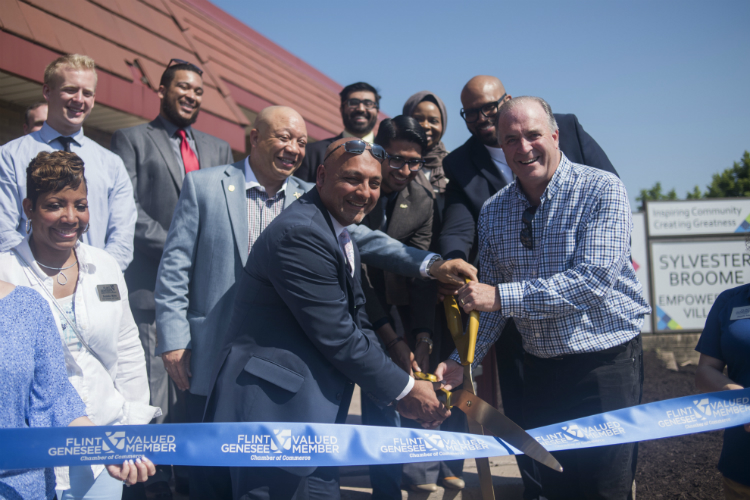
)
(188, 156)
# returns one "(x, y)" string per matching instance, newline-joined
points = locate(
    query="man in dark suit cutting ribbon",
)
(298, 343)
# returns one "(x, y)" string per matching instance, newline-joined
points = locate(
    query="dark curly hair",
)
(53, 172)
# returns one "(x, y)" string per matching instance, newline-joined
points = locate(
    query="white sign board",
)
(698, 217)
(639, 254)
(688, 276)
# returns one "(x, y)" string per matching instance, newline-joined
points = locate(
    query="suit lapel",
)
(482, 160)
(161, 141)
(292, 192)
(340, 253)
(233, 187)
(202, 146)
(401, 216)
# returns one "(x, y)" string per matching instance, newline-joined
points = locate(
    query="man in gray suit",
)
(220, 214)
(157, 155)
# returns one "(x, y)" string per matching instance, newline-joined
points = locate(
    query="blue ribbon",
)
(301, 444)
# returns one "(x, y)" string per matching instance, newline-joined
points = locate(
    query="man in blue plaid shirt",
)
(555, 256)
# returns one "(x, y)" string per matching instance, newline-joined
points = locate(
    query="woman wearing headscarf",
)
(86, 292)
(429, 110)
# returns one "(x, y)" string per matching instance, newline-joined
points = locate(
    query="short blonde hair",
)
(73, 61)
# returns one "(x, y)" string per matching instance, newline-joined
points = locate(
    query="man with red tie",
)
(157, 156)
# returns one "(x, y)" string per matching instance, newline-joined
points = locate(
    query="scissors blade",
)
(501, 426)
(483, 464)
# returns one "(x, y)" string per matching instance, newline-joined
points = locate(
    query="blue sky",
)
(663, 86)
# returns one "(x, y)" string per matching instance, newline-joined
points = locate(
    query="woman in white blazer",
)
(86, 292)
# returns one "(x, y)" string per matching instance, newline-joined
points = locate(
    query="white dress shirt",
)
(110, 192)
(498, 158)
(115, 392)
(337, 230)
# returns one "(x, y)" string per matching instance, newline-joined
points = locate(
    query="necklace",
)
(60, 273)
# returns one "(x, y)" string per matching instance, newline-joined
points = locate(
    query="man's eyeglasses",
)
(488, 110)
(173, 62)
(527, 235)
(354, 103)
(398, 162)
(358, 146)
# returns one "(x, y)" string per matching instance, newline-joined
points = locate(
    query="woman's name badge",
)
(740, 313)
(108, 293)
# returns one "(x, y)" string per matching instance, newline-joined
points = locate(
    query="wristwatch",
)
(426, 340)
(432, 260)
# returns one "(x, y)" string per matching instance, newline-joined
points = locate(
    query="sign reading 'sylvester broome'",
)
(688, 276)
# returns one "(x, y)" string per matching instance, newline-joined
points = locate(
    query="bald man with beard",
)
(298, 338)
(477, 170)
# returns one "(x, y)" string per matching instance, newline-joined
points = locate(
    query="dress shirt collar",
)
(560, 176)
(368, 138)
(172, 129)
(497, 154)
(48, 134)
(337, 228)
(252, 182)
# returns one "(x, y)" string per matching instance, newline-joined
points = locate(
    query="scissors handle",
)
(425, 376)
(443, 395)
(465, 343)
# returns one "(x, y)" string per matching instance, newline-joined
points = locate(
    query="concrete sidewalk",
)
(506, 478)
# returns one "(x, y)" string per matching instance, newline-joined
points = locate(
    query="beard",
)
(176, 118)
(361, 129)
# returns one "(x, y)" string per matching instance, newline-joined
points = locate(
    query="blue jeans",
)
(83, 486)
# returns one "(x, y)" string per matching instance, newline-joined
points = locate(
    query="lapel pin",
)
(231, 187)
(404, 205)
(297, 195)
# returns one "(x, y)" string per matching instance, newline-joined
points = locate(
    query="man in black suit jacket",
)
(360, 104)
(298, 344)
(476, 171)
(153, 156)
(474, 175)
(405, 213)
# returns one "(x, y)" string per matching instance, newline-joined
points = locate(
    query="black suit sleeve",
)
(588, 150)
(226, 155)
(459, 226)
(150, 236)
(313, 157)
(376, 305)
(306, 278)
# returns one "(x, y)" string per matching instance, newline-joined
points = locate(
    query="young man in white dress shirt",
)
(70, 91)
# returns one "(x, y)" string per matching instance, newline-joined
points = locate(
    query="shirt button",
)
(338, 396)
(536, 335)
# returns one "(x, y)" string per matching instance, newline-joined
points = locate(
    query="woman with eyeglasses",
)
(429, 110)
(86, 292)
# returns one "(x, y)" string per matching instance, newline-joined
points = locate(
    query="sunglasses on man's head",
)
(173, 62)
(527, 235)
(358, 146)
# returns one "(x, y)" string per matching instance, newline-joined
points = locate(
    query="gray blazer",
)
(157, 178)
(205, 253)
